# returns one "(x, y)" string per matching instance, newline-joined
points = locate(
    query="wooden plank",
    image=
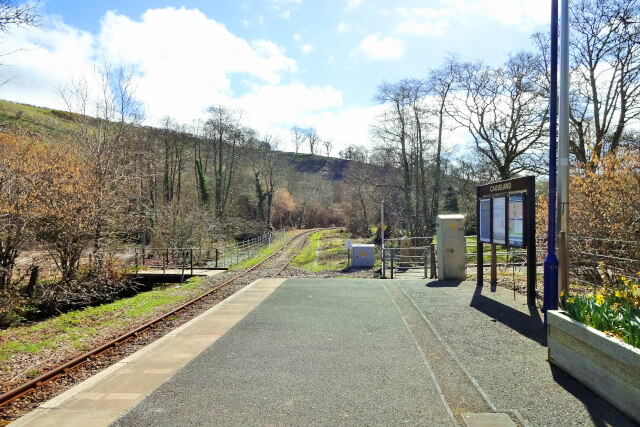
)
(605, 365)
(610, 387)
(608, 345)
(611, 365)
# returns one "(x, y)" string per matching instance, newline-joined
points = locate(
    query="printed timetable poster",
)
(499, 220)
(485, 220)
(516, 220)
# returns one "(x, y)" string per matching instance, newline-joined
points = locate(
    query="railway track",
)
(29, 394)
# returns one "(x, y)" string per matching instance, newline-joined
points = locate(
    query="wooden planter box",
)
(606, 365)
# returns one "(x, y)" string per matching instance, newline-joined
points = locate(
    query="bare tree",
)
(264, 162)
(14, 14)
(174, 139)
(356, 153)
(224, 134)
(106, 111)
(440, 83)
(505, 112)
(328, 145)
(298, 136)
(312, 139)
(605, 98)
(393, 127)
(417, 92)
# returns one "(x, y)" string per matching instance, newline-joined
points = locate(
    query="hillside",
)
(300, 190)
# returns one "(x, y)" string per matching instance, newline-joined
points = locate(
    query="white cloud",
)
(351, 126)
(286, 14)
(245, 23)
(272, 106)
(524, 14)
(435, 21)
(177, 79)
(280, 3)
(424, 21)
(348, 126)
(304, 47)
(352, 4)
(284, 7)
(45, 60)
(376, 47)
(342, 27)
(521, 13)
(171, 61)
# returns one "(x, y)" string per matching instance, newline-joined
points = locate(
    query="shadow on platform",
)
(530, 325)
(444, 284)
(599, 410)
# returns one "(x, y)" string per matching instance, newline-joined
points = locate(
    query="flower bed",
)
(596, 339)
(614, 310)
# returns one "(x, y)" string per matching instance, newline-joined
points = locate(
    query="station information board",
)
(515, 217)
(499, 220)
(485, 220)
(506, 215)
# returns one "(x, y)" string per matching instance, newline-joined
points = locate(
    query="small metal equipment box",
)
(451, 247)
(362, 255)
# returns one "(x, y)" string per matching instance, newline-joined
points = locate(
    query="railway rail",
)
(46, 378)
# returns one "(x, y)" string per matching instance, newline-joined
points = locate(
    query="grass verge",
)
(330, 253)
(261, 255)
(76, 330)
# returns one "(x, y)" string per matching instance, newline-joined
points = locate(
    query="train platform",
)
(342, 351)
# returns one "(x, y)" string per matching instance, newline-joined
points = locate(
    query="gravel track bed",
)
(49, 360)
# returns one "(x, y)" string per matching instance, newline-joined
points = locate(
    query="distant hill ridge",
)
(51, 123)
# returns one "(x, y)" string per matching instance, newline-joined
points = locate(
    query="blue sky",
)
(282, 62)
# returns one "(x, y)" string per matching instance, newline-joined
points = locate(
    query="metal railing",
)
(413, 257)
(592, 260)
(203, 258)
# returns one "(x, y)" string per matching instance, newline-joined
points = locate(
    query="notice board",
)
(506, 215)
(516, 220)
(485, 220)
(499, 220)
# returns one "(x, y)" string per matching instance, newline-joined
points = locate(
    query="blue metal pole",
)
(551, 261)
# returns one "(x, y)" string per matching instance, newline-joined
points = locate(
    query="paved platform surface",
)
(101, 399)
(377, 352)
(341, 351)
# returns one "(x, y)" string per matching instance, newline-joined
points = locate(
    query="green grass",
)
(260, 256)
(330, 254)
(308, 254)
(48, 123)
(76, 329)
